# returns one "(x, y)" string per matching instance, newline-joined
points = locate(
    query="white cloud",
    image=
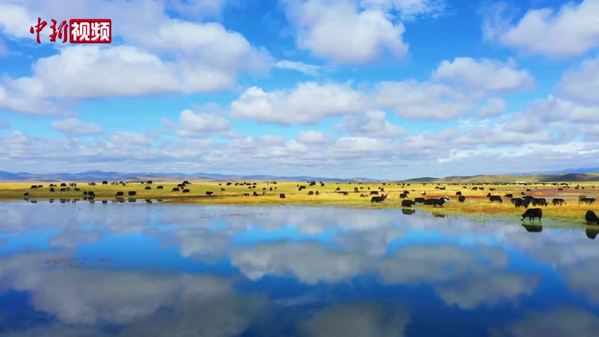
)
(582, 84)
(422, 100)
(182, 56)
(15, 20)
(409, 9)
(311, 137)
(73, 126)
(341, 32)
(568, 31)
(492, 107)
(304, 68)
(307, 103)
(200, 124)
(371, 123)
(485, 74)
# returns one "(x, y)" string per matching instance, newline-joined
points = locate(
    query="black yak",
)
(407, 203)
(532, 214)
(558, 202)
(585, 200)
(591, 218)
(495, 198)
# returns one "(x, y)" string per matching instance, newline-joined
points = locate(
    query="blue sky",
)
(339, 88)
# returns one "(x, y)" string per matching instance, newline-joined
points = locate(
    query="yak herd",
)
(377, 195)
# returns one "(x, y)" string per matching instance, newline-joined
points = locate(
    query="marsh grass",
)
(476, 201)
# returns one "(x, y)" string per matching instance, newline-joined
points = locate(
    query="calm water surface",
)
(186, 270)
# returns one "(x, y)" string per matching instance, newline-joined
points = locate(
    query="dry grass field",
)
(352, 194)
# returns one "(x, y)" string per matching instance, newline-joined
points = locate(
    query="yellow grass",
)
(476, 202)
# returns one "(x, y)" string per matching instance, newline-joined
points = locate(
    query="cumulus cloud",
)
(182, 56)
(568, 31)
(492, 107)
(199, 124)
(409, 9)
(342, 32)
(371, 123)
(307, 103)
(304, 68)
(582, 83)
(484, 74)
(311, 137)
(422, 100)
(76, 127)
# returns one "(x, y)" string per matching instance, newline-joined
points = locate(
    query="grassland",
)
(329, 193)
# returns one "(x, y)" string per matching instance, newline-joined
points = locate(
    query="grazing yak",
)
(435, 202)
(495, 198)
(558, 202)
(403, 195)
(175, 189)
(584, 200)
(539, 202)
(131, 193)
(462, 198)
(120, 194)
(282, 195)
(407, 203)
(591, 218)
(380, 198)
(186, 190)
(532, 214)
(159, 187)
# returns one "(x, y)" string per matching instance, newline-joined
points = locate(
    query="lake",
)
(140, 269)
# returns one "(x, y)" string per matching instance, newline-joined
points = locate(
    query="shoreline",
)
(327, 194)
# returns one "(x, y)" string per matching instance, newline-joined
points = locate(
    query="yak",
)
(591, 218)
(407, 203)
(558, 202)
(585, 200)
(462, 198)
(495, 198)
(539, 202)
(532, 214)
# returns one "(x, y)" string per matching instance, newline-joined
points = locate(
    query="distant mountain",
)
(112, 176)
(580, 174)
